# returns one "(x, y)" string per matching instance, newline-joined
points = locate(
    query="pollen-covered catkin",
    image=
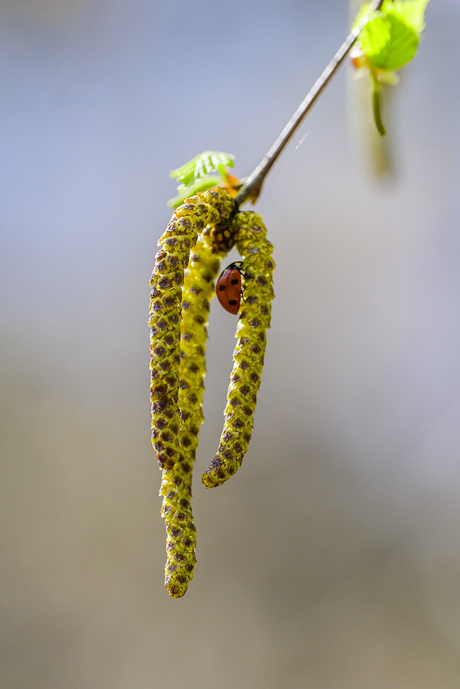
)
(197, 293)
(248, 357)
(207, 208)
(198, 212)
(176, 487)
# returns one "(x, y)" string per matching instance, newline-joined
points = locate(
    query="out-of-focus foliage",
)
(390, 38)
(388, 41)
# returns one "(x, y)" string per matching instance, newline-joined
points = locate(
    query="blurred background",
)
(332, 559)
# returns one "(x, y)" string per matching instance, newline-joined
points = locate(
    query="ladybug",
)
(229, 287)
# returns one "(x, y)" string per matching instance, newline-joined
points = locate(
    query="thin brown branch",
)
(253, 184)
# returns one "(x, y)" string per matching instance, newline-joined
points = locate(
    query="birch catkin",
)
(166, 282)
(196, 296)
(206, 209)
(248, 357)
(176, 487)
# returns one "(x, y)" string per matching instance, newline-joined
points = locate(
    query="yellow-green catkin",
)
(196, 296)
(248, 357)
(176, 487)
(206, 209)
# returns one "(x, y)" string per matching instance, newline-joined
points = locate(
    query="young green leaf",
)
(412, 12)
(375, 36)
(388, 42)
(390, 38)
(200, 166)
(194, 176)
(200, 185)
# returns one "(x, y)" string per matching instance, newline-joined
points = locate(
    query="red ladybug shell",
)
(228, 287)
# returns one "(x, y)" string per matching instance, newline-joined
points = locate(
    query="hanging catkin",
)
(176, 487)
(248, 357)
(175, 457)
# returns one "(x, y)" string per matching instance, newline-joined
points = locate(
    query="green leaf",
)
(375, 37)
(200, 166)
(390, 38)
(192, 189)
(388, 42)
(412, 12)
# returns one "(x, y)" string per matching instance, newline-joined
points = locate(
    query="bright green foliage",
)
(169, 378)
(390, 38)
(387, 42)
(410, 11)
(195, 176)
(248, 357)
(201, 185)
(201, 165)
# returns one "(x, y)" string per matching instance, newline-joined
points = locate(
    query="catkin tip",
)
(215, 475)
(210, 481)
(174, 589)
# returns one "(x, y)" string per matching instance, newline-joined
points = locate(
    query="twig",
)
(253, 184)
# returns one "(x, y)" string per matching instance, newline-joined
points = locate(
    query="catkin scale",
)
(177, 380)
(248, 357)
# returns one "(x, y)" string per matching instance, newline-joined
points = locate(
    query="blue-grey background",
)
(333, 558)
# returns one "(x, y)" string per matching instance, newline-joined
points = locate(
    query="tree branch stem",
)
(253, 184)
